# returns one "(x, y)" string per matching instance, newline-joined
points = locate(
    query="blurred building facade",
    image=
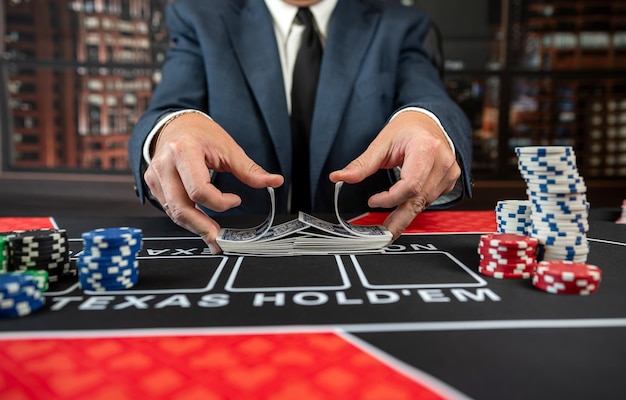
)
(79, 73)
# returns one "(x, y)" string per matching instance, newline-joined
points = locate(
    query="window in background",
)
(567, 83)
(538, 72)
(473, 49)
(78, 74)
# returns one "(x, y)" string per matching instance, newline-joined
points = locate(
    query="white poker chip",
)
(544, 149)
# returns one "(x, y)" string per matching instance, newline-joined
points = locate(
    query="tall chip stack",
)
(559, 220)
(557, 193)
(544, 237)
(109, 259)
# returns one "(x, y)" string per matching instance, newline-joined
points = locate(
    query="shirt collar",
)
(284, 14)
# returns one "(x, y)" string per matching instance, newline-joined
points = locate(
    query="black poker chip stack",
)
(39, 249)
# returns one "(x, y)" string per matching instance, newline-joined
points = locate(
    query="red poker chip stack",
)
(507, 255)
(567, 277)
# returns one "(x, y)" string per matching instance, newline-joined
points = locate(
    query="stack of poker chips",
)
(4, 254)
(567, 277)
(19, 295)
(513, 216)
(38, 250)
(507, 255)
(109, 259)
(559, 214)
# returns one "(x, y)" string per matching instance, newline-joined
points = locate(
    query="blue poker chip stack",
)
(19, 295)
(513, 216)
(559, 207)
(109, 259)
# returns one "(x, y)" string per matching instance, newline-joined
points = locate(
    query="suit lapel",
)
(250, 27)
(351, 29)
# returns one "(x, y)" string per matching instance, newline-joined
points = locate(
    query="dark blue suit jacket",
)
(224, 61)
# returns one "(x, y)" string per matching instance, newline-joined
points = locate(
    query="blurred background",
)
(75, 75)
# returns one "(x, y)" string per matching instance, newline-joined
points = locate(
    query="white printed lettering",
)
(188, 252)
(428, 246)
(382, 296)
(96, 303)
(342, 299)
(310, 298)
(156, 252)
(260, 298)
(395, 247)
(214, 300)
(179, 300)
(433, 296)
(134, 301)
(60, 302)
(464, 295)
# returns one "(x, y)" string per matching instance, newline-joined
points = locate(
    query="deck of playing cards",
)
(305, 235)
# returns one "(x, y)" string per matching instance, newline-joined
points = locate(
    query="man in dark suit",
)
(218, 130)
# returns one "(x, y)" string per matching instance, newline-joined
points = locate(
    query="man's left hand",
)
(415, 142)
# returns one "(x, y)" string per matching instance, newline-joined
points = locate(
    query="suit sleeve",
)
(419, 85)
(183, 86)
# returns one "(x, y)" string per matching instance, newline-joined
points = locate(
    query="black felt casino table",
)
(422, 303)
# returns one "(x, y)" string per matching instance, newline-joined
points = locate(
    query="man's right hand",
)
(178, 175)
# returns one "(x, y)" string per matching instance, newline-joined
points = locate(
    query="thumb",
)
(253, 175)
(358, 169)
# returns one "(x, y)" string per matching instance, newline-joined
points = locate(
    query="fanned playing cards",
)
(305, 235)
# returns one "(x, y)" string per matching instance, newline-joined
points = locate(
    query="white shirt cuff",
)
(433, 117)
(159, 125)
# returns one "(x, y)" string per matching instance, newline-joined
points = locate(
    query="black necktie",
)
(305, 76)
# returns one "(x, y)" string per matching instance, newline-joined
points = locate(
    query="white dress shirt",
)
(289, 33)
